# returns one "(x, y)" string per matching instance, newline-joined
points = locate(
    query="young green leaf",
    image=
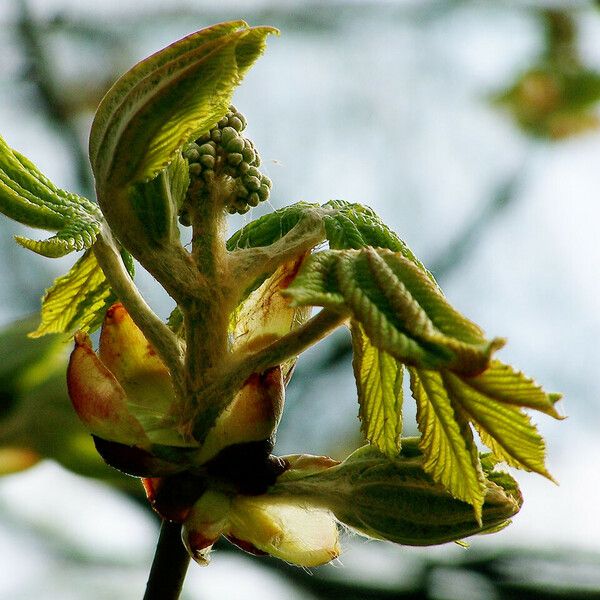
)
(379, 382)
(269, 228)
(354, 226)
(77, 300)
(400, 308)
(30, 198)
(166, 100)
(450, 454)
(495, 414)
(448, 403)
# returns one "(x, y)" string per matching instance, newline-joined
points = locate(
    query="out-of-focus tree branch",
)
(40, 71)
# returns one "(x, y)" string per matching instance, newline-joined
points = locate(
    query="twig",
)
(169, 566)
(214, 398)
(158, 334)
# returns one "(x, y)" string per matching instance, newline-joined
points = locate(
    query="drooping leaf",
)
(79, 299)
(30, 198)
(400, 308)
(507, 385)
(502, 426)
(75, 236)
(169, 98)
(450, 454)
(492, 403)
(379, 382)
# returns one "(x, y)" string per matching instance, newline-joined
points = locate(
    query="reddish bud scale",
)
(99, 399)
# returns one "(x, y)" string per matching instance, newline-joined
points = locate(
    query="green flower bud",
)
(243, 167)
(235, 145)
(215, 135)
(239, 116)
(252, 183)
(195, 169)
(207, 161)
(234, 159)
(208, 148)
(266, 181)
(236, 123)
(249, 154)
(254, 172)
(191, 152)
(228, 134)
(253, 199)
(263, 192)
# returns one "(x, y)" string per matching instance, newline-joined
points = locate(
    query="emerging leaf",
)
(300, 534)
(379, 382)
(269, 228)
(168, 99)
(396, 500)
(155, 203)
(32, 199)
(400, 308)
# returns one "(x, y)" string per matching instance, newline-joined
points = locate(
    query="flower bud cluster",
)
(225, 151)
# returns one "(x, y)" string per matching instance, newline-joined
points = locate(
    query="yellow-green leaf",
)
(167, 99)
(447, 443)
(379, 382)
(507, 385)
(30, 198)
(502, 426)
(76, 300)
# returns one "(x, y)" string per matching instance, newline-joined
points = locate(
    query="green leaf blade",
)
(447, 443)
(30, 198)
(379, 383)
(507, 385)
(77, 300)
(354, 226)
(269, 228)
(503, 427)
(401, 309)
